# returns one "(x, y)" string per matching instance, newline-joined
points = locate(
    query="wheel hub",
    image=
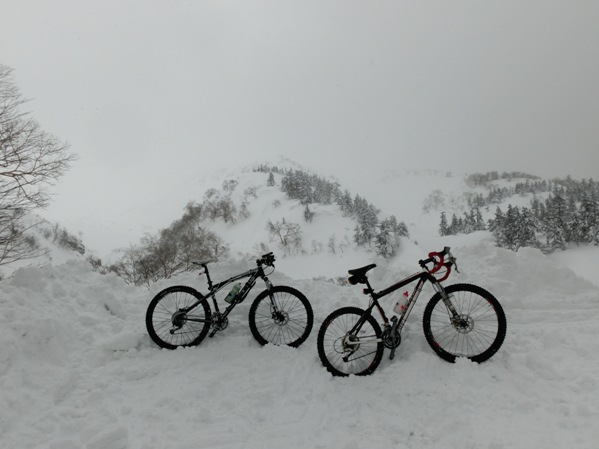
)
(346, 345)
(464, 324)
(178, 319)
(280, 318)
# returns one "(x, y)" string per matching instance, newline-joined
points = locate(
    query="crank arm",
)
(395, 322)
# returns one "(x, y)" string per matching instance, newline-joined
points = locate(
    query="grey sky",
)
(150, 92)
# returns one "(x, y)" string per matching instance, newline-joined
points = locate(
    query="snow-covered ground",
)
(78, 371)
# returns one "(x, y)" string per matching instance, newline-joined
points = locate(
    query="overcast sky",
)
(151, 93)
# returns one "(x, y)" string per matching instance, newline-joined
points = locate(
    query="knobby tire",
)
(335, 328)
(482, 330)
(159, 318)
(290, 326)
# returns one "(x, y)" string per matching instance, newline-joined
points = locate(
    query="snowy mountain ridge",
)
(416, 197)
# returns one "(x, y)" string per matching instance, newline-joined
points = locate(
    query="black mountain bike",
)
(460, 320)
(181, 316)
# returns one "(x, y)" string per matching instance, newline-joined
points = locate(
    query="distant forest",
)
(381, 235)
(562, 211)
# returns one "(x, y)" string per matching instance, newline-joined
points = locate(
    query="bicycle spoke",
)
(169, 326)
(282, 319)
(475, 330)
(349, 354)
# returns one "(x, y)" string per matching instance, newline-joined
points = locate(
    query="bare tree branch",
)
(31, 160)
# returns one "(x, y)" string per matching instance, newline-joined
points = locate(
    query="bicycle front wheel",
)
(281, 316)
(478, 331)
(168, 326)
(343, 353)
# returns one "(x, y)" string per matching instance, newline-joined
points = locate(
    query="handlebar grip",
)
(422, 263)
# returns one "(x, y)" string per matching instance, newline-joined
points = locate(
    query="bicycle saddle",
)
(358, 275)
(201, 263)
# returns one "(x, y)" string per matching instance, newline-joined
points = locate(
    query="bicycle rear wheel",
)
(477, 334)
(169, 327)
(343, 354)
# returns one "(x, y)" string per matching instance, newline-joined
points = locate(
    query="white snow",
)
(78, 370)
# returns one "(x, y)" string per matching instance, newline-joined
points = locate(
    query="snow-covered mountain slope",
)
(249, 236)
(78, 371)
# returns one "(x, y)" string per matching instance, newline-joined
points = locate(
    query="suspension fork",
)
(445, 298)
(269, 287)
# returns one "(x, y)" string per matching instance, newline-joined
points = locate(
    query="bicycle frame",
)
(459, 321)
(397, 325)
(253, 276)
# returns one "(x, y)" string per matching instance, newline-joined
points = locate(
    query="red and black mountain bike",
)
(460, 320)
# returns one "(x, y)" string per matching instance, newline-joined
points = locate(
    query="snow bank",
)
(77, 370)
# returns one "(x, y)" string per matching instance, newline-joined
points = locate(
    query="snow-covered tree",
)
(308, 214)
(287, 235)
(443, 226)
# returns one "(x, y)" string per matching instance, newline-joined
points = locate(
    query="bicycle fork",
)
(454, 315)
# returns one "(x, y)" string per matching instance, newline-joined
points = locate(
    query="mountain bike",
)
(460, 320)
(181, 316)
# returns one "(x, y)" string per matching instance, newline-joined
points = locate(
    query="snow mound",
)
(78, 371)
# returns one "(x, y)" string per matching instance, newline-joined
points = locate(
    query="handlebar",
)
(266, 259)
(438, 259)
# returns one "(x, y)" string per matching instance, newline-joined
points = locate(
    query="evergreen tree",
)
(479, 221)
(509, 234)
(589, 218)
(555, 219)
(383, 244)
(443, 227)
(469, 222)
(387, 240)
(573, 226)
(526, 229)
(496, 226)
(359, 238)
(345, 203)
(308, 214)
(454, 227)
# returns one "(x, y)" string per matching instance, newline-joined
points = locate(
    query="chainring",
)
(219, 322)
(390, 341)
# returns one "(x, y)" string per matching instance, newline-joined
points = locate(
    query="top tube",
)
(237, 277)
(422, 275)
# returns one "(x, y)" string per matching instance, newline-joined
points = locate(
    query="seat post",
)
(208, 279)
(368, 290)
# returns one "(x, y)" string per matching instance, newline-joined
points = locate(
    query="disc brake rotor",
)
(464, 324)
(280, 318)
